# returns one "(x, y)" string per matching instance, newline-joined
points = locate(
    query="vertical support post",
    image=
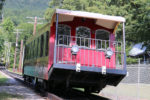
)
(21, 53)
(138, 81)
(56, 38)
(144, 59)
(124, 46)
(35, 23)
(15, 51)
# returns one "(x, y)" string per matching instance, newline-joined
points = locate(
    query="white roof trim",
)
(90, 15)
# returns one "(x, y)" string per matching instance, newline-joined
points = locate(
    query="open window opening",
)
(64, 32)
(102, 38)
(83, 35)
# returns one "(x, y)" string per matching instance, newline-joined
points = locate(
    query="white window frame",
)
(97, 33)
(81, 37)
(65, 35)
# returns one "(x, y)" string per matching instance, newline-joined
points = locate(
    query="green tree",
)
(136, 12)
(2, 39)
(27, 30)
(20, 9)
(8, 27)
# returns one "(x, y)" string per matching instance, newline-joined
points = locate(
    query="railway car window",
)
(36, 54)
(47, 42)
(31, 50)
(38, 47)
(28, 55)
(26, 52)
(83, 35)
(25, 57)
(63, 34)
(101, 37)
(42, 45)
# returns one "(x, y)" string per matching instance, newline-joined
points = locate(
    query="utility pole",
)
(21, 56)
(17, 36)
(35, 22)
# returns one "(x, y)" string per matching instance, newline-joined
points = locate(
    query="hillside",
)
(20, 9)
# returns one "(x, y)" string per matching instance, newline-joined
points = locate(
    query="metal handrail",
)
(89, 48)
(65, 42)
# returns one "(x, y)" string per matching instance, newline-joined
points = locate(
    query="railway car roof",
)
(110, 22)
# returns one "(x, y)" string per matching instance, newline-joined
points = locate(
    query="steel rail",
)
(58, 94)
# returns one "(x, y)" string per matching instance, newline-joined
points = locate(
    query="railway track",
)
(58, 94)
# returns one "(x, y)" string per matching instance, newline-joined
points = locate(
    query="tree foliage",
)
(2, 39)
(8, 29)
(136, 12)
(18, 10)
(26, 32)
(6, 34)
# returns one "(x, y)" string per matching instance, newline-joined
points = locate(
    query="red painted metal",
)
(86, 58)
(91, 58)
(90, 23)
(51, 46)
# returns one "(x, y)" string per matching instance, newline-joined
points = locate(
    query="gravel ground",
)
(127, 92)
(14, 87)
(121, 92)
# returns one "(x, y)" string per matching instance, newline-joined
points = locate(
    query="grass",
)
(11, 70)
(3, 79)
(7, 96)
(129, 90)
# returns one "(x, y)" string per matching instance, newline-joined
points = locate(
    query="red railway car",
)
(77, 49)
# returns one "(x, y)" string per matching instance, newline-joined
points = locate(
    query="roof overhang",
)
(107, 21)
